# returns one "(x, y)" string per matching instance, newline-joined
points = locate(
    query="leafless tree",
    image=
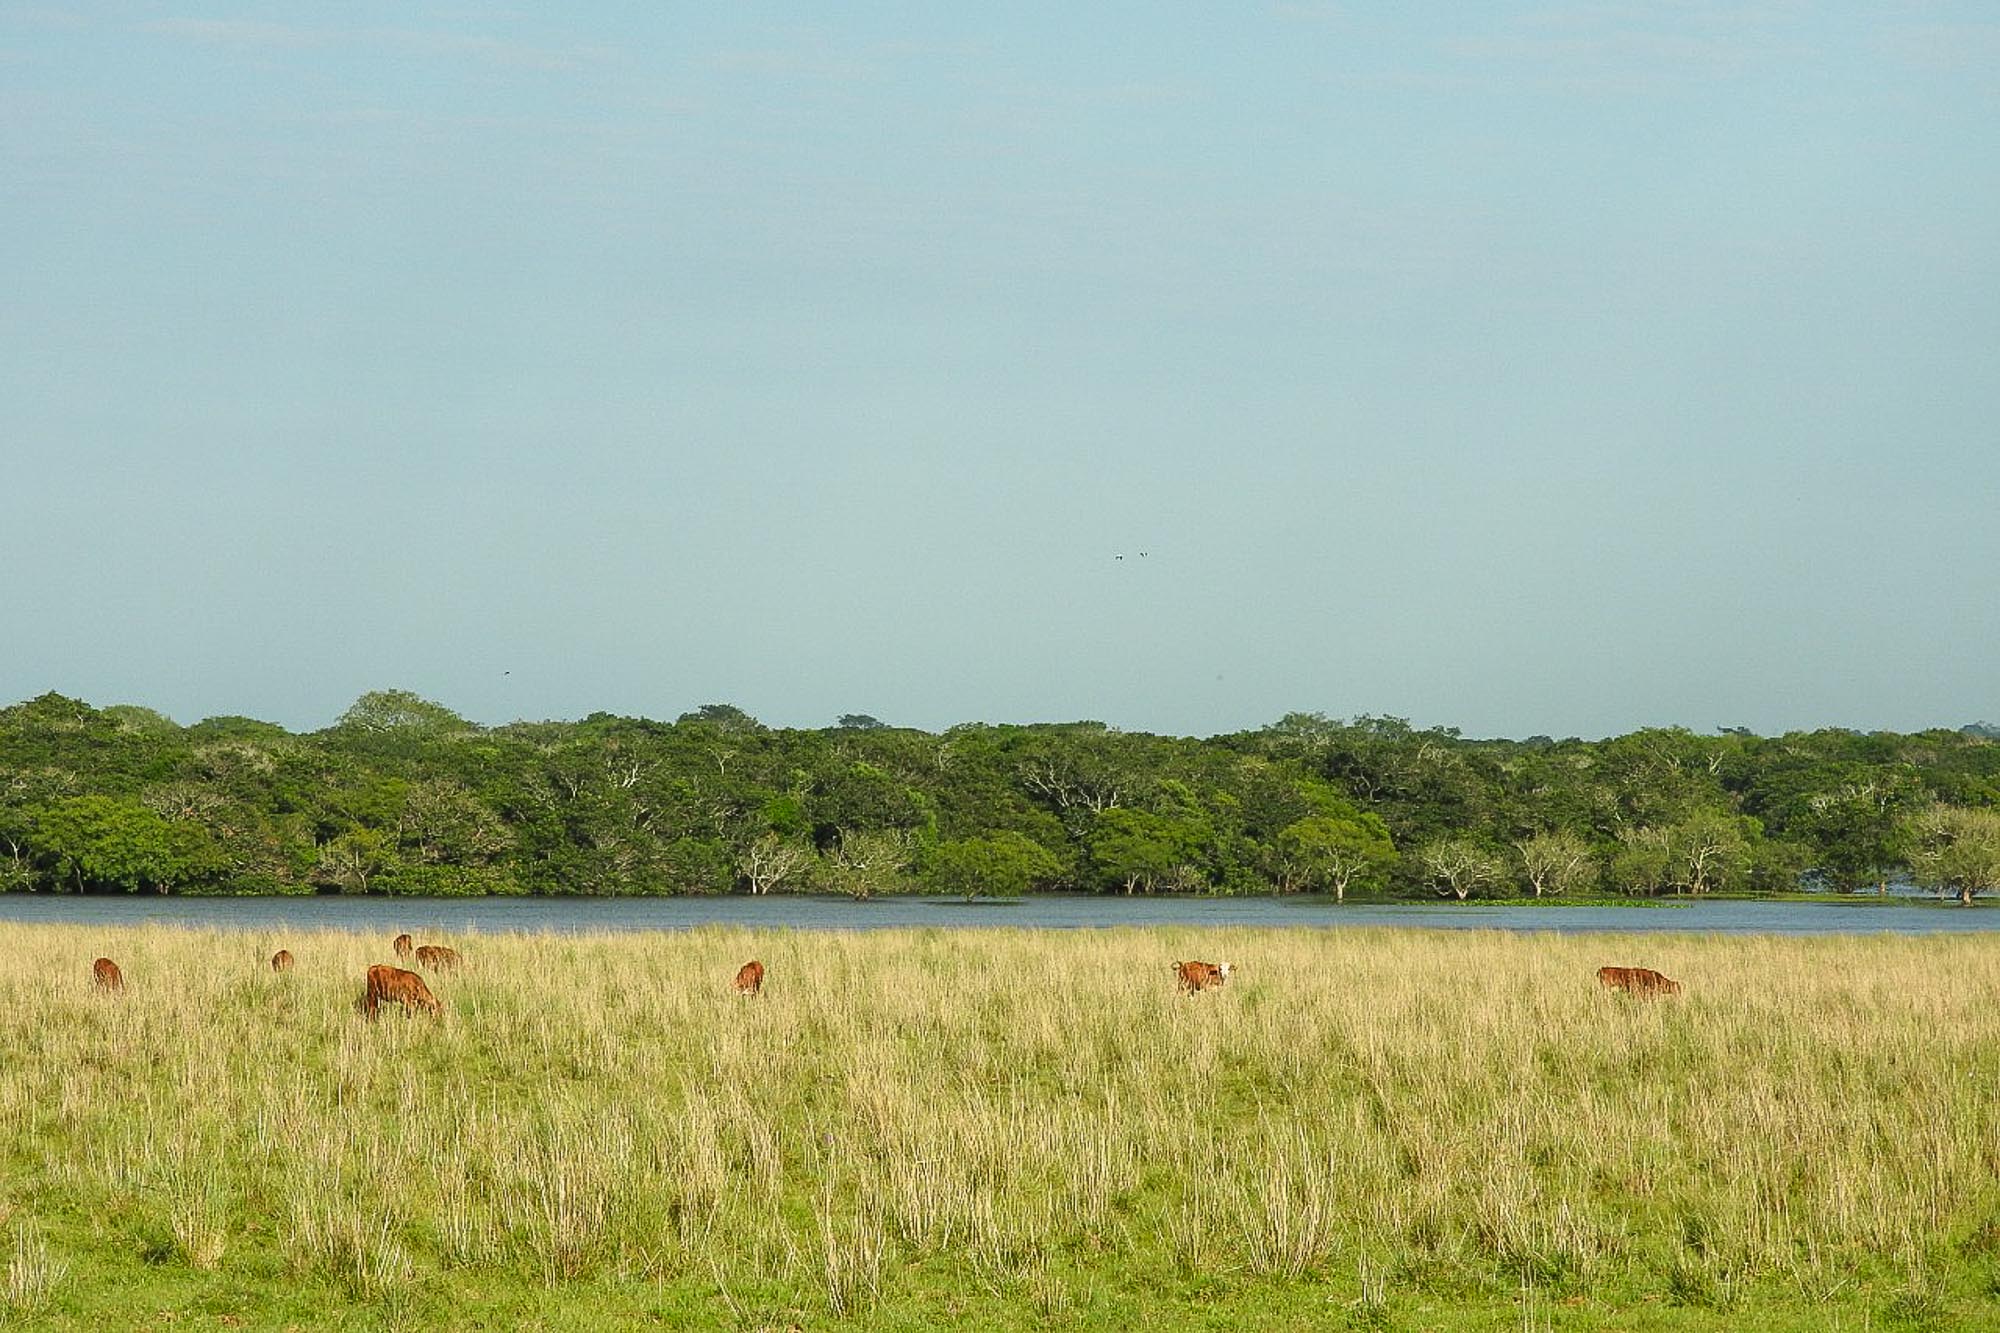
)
(15, 871)
(444, 822)
(1556, 862)
(771, 862)
(1461, 867)
(1070, 789)
(866, 862)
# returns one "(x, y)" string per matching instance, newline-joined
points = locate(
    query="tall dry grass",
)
(1021, 1112)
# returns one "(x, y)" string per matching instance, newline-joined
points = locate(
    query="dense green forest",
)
(404, 796)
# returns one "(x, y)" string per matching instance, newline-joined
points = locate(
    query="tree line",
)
(402, 795)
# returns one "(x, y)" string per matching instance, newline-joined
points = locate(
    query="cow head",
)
(1225, 969)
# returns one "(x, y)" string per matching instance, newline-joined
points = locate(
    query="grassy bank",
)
(1368, 1129)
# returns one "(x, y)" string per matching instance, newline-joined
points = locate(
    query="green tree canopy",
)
(1136, 850)
(102, 842)
(723, 717)
(1004, 865)
(404, 795)
(1955, 851)
(1331, 853)
(1556, 861)
(1704, 852)
(401, 712)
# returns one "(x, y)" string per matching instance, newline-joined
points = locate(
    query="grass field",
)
(998, 1128)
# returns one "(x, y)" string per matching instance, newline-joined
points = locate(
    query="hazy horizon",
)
(1551, 369)
(305, 727)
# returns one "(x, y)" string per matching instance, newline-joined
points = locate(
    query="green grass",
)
(1370, 1129)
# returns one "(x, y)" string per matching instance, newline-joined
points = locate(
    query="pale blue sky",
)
(1523, 367)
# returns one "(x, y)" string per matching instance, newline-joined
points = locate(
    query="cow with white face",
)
(1194, 976)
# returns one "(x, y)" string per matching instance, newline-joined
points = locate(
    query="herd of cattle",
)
(395, 985)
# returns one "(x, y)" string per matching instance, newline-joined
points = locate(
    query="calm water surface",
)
(1833, 917)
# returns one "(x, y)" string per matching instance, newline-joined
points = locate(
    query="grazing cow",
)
(750, 978)
(392, 985)
(1202, 976)
(437, 958)
(281, 961)
(106, 974)
(1641, 981)
(401, 944)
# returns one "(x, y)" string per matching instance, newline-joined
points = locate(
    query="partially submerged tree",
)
(1955, 851)
(772, 862)
(1330, 853)
(1858, 830)
(1460, 867)
(1003, 865)
(1139, 851)
(867, 862)
(1556, 862)
(1703, 853)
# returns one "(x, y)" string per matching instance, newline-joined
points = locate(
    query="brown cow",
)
(1202, 976)
(281, 961)
(750, 978)
(106, 974)
(1641, 981)
(388, 985)
(437, 958)
(401, 944)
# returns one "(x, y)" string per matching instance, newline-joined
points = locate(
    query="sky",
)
(1529, 368)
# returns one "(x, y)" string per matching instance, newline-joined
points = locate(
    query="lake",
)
(1855, 916)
